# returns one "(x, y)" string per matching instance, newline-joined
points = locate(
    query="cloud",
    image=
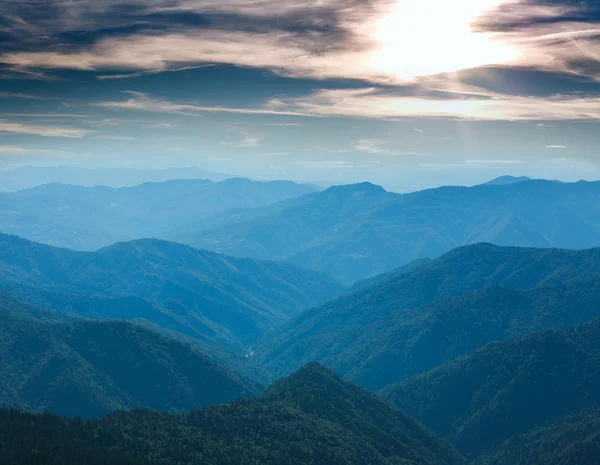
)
(150, 72)
(44, 131)
(18, 95)
(556, 146)
(247, 141)
(141, 102)
(370, 146)
(381, 41)
(11, 149)
(479, 106)
(108, 137)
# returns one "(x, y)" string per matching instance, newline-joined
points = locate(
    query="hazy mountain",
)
(405, 324)
(353, 232)
(205, 295)
(26, 177)
(574, 440)
(312, 417)
(86, 218)
(507, 388)
(504, 180)
(90, 368)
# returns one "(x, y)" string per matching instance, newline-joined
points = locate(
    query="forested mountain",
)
(26, 177)
(404, 324)
(90, 368)
(356, 231)
(573, 440)
(507, 388)
(86, 218)
(230, 301)
(27, 439)
(311, 417)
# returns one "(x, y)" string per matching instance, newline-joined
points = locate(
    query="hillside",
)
(87, 218)
(357, 231)
(573, 440)
(382, 333)
(91, 368)
(229, 301)
(506, 388)
(311, 417)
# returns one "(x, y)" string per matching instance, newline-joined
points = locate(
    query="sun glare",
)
(426, 37)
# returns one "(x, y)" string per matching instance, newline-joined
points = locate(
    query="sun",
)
(426, 37)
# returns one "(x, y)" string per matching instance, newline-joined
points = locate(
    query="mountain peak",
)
(360, 189)
(506, 180)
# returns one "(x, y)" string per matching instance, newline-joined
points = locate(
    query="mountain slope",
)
(354, 232)
(574, 440)
(382, 333)
(27, 439)
(86, 218)
(226, 300)
(90, 368)
(312, 417)
(506, 388)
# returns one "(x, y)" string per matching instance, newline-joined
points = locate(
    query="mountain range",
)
(411, 321)
(207, 296)
(26, 177)
(356, 231)
(88, 368)
(87, 218)
(311, 417)
(507, 388)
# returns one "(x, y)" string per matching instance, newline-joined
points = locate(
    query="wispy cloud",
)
(45, 131)
(106, 77)
(141, 102)
(380, 104)
(11, 149)
(556, 146)
(18, 95)
(246, 141)
(373, 146)
(113, 137)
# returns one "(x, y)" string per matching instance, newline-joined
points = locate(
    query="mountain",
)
(504, 180)
(229, 301)
(27, 439)
(90, 368)
(357, 231)
(413, 321)
(573, 440)
(312, 417)
(506, 388)
(87, 218)
(26, 177)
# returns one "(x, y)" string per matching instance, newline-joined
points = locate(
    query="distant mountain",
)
(87, 218)
(25, 177)
(312, 417)
(573, 440)
(91, 368)
(357, 231)
(207, 296)
(507, 388)
(505, 180)
(410, 322)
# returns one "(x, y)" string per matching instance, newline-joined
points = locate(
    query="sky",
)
(404, 93)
